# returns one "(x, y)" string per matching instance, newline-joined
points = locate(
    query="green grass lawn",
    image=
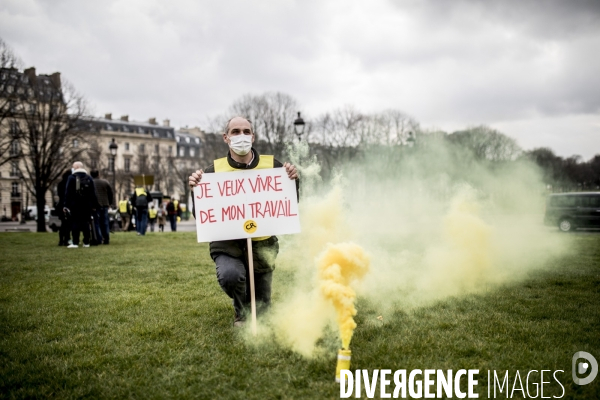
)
(145, 318)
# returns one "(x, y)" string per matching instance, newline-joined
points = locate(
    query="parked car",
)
(570, 211)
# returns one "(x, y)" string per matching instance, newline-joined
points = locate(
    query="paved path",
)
(31, 226)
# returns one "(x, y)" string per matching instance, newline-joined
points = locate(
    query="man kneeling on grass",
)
(230, 256)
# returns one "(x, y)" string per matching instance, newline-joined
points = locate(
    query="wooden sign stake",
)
(252, 293)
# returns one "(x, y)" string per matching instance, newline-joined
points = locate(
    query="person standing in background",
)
(152, 214)
(65, 222)
(125, 211)
(140, 199)
(105, 199)
(173, 211)
(80, 203)
(162, 217)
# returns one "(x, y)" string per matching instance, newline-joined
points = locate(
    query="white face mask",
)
(240, 144)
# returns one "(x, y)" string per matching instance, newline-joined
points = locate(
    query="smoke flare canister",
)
(343, 362)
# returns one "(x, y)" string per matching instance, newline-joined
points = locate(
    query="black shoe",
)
(239, 322)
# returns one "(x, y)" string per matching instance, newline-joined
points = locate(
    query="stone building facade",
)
(148, 147)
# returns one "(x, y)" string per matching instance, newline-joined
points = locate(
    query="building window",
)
(187, 139)
(142, 148)
(156, 148)
(14, 128)
(197, 141)
(127, 146)
(14, 148)
(15, 189)
(31, 108)
(14, 169)
(93, 163)
(75, 143)
(170, 150)
(127, 164)
(182, 151)
(111, 163)
(192, 152)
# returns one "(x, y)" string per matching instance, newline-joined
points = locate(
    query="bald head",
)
(239, 122)
(77, 165)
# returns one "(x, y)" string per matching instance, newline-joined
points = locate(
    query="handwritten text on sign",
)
(243, 204)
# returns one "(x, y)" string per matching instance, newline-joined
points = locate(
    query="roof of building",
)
(118, 125)
(187, 138)
(26, 85)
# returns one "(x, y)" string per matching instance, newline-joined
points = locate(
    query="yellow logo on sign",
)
(250, 226)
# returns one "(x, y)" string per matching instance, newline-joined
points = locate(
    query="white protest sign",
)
(246, 204)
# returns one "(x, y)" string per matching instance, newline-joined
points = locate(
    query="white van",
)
(32, 213)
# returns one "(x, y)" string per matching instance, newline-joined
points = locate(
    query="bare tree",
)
(486, 143)
(391, 127)
(181, 169)
(272, 116)
(8, 58)
(46, 114)
(9, 86)
(346, 133)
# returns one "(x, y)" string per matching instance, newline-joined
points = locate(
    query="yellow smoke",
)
(427, 239)
(463, 259)
(339, 266)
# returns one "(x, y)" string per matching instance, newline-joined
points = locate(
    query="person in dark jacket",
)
(230, 256)
(140, 199)
(105, 200)
(80, 203)
(65, 223)
(173, 212)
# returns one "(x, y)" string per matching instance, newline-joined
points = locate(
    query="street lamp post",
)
(299, 126)
(113, 152)
(410, 141)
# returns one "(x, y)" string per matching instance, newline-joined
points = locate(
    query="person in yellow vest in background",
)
(230, 256)
(152, 214)
(140, 199)
(176, 203)
(162, 217)
(125, 211)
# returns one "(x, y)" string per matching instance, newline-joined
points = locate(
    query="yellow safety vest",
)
(152, 213)
(175, 203)
(265, 162)
(123, 206)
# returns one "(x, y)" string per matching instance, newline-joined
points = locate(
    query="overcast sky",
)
(530, 68)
